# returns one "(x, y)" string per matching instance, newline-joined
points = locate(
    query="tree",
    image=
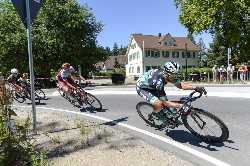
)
(122, 50)
(115, 50)
(230, 19)
(191, 37)
(64, 31)
(202, 53)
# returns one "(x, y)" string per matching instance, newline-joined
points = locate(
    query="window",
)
(177, 54)
(193, 54)
(183, 54)
(152, 53)
(147, 52)
(132, 69)
(138, 69)
(157, 54)
(188, 55)
(130, 57)
(165, 54)
(129, 69)
(173, 54)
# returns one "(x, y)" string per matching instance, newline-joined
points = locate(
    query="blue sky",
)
(121, 18)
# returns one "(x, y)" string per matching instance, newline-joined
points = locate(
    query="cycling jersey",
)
(13, 78)
(64, 74)
(151, 84)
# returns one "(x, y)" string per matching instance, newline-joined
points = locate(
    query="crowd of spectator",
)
(222, 74)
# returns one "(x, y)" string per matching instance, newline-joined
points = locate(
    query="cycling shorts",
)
(62, 83)
(151, 95)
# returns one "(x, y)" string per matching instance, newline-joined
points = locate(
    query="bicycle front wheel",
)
(41, 94)
(93, 102)
(205, 126)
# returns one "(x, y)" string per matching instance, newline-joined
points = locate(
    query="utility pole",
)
(186, 62)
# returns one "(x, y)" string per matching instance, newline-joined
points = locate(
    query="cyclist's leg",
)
(65, 88)
(150, 97)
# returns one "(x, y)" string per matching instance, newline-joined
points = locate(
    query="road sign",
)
(20, 6)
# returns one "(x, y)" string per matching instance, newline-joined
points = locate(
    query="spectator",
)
(230, 71)
(1, 78)
(245, 73)
(223, 72)
(215, 73)
(242, 72)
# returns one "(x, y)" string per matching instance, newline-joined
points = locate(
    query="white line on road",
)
(163, 139)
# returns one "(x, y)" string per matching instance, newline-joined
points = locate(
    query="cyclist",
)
(64, 78)
(13, 79)
(151, 84)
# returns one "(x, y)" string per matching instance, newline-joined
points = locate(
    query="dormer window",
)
(167, 40)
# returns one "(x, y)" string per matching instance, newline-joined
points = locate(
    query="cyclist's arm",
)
(70, 85)
(172, 104)
(183, 85)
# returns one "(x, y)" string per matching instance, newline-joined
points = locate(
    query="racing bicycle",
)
(199, 122)
(21, 95)
(82, 99)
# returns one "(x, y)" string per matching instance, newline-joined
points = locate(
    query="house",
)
(147, 51)
(109, 64)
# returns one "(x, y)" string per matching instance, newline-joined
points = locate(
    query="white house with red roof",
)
(147, 51)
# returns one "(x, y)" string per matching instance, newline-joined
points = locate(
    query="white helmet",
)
(171, 67)
(71, 69)
(14, 71)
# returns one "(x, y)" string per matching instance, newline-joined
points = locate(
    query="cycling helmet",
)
(171, 67)
(65, 65)
(14, 71)
(71, 69)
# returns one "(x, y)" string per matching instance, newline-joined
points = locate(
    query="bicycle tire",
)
(90, 99)
(41, 94)
(18, 97)
(145, 118)
(206, 138)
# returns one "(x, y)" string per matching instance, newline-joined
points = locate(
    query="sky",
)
(121, 18)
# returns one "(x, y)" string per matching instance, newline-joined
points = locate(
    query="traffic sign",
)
(20, 6)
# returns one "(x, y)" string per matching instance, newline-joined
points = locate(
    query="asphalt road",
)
(233, 111)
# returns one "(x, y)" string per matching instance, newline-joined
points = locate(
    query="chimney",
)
(159, 34)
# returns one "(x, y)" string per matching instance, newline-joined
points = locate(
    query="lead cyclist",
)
(151, 85)
(65, 79)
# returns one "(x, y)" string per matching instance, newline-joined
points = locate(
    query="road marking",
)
(163, 139)
(169, 93)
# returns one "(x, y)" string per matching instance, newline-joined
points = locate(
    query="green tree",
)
(191, 37)
(122, 50)
(229, 18)
(202, 53)
(64, 31)
(115, 50)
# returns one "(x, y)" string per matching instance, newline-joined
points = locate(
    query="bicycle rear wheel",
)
(145, 110)
(18, 97)
(93, 102)
(205, 126)
(41, 94)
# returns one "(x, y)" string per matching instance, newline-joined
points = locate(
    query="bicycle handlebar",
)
(190, 98)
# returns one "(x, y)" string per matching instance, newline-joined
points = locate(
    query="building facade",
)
(147, 51)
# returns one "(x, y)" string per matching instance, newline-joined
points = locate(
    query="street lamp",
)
(186, 61)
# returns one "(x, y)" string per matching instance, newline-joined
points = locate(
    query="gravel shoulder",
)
(72, 140)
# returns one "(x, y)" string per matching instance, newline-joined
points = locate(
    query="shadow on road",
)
(183, 136)
(115, 122)
(37, 103)
(91, 110)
